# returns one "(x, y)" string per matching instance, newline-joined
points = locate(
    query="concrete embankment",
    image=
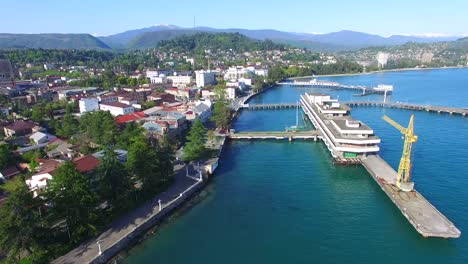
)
(126, 231)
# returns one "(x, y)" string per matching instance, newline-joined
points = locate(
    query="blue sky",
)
(108, 17)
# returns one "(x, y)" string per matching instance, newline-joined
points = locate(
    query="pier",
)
(380, 89)
(424, 217)
(397, 105)
(416, 107)
(269, 106)
(279, 135)
(332, 119)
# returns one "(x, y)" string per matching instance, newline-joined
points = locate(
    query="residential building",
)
(161, 79)
(153, 73)
(161, 98)
(231, 92)
(19, 128)
(88, 105)
(120, 154)
(180, 80)
(86, 164)
(382, 59)
(202, 110)
(40, 137)
(6, 71)
(132, 117)
(204, 78)
(117, 108)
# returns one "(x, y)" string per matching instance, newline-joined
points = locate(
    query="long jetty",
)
(279, 135)
(409, 106)
(398, 105)
(335, 86)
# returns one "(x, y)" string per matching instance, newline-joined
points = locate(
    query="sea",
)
(285, 202)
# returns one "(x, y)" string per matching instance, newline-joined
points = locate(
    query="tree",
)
(195, 147)
(131, 131)
(165, 154)
(99, 127)
(115, 183)
(143, 162)
(5, 157)
(73, 201)
(221, 114)
(69, 126)
(37, 113)
(20, 227)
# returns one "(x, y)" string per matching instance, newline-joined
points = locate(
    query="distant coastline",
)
(380, 71)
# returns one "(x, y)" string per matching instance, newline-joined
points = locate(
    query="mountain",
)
(51, 41)
(335, 41)
(121, 40)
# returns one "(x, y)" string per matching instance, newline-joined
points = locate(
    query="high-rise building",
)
(204, 78)
(6, 71)
(382, 59)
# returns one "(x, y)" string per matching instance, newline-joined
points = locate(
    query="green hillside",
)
(223, 41)
(51, 41)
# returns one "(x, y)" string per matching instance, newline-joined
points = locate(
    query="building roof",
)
(117, 104)
(86, 163)
(9, 171)
(47, 166)
(129, 117)
(38, 136)
(20, 125)
(200, 108)
(152, 127)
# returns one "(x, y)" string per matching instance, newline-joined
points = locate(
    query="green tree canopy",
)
(73, 201)
(195, 147)
(20, 224)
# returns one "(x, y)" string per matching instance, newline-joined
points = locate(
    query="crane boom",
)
(395, 124)
(404, 169)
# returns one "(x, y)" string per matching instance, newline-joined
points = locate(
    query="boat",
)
(297, 127)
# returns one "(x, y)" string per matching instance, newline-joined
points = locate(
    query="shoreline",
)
(377, 72)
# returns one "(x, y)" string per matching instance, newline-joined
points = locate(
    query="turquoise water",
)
(282, 202)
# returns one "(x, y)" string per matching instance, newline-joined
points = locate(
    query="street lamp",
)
(99, 246)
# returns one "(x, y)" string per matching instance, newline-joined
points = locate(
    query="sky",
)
(105, 17)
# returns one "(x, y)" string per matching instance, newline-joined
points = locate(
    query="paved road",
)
(123, 226)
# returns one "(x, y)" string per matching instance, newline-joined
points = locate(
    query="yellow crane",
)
(404, 169)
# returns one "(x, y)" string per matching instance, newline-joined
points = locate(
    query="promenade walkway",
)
(112, 240)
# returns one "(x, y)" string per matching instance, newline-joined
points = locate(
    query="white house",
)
(39, 137)
(152, 73)
(38, 182)
(158, 79)
(117, 108)
(88, 105)
(204, 78)
(180, 80)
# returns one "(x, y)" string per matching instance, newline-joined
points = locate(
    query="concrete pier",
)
(279, 135)
(425, 218)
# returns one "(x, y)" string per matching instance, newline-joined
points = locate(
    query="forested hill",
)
(218, 41)
(51, 41)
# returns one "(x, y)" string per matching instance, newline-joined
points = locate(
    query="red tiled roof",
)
(86, 164)
(48, 165)
(20, 125)
(129, 117)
